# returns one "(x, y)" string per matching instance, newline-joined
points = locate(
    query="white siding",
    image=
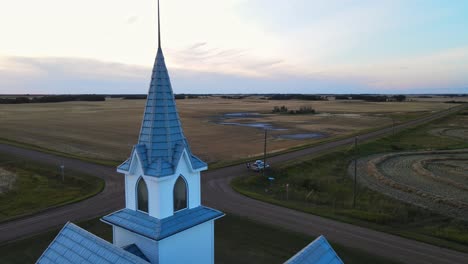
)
(194, 245)
(123, 237)
(193, 181)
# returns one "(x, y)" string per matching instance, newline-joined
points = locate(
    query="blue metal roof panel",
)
(135, 250)
(197, 163)
(125, 166)
(161, 131)
(317, 252)
(76, 245)
(158, 229)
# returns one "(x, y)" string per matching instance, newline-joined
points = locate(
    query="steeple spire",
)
(162, 141)
(159, 27)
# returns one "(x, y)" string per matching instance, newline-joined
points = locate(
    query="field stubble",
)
(410, 177)
(108, 130)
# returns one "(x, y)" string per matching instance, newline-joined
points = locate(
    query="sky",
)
(235, 46)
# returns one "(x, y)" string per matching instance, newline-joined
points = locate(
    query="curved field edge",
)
(238, 240)
(40, 188)
(430, 228)
(372, 176)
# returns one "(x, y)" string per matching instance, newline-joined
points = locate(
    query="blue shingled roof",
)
(135, 250)
(158, 229)
(317, 252)
(75, 245)
(162, 141)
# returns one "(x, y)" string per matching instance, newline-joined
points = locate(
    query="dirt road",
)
(217, 193)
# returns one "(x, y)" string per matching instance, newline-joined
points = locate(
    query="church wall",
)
(195, 245)
(130, 191)
(160, 197)
(131, 180)
(160, 190)
(149, 247)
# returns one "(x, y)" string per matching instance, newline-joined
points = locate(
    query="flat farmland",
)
(217, 129)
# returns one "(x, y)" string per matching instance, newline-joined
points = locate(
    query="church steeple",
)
(159, 27)
(161, 141)
(163, 221)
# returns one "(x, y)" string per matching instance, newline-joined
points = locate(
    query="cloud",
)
(68, 75)
(436, 73)
(74, 75)
(444, 69)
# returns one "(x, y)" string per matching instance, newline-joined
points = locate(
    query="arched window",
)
(180, 194)
(142, 196)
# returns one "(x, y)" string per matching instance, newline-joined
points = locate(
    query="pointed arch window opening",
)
(180, 194)
(142, 196)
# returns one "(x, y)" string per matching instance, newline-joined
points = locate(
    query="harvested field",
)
(7, 179)
(107, 130)
(437, 180)
(458, 132)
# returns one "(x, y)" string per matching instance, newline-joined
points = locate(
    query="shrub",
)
(282, 109)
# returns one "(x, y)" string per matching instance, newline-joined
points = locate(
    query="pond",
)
(264, 125)
(241, 115)
(267, 126)
(302, 136)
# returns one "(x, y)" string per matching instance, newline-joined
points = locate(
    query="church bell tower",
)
(163, 219)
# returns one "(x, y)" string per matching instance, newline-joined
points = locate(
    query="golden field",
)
(108, 130)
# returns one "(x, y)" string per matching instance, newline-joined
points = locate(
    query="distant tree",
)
(342, 97)
(296, 97)
(135, 97)
(282, 109)
(179, 96)
(399, 98)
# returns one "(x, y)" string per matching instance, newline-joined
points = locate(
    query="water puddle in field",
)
(241, 115)
(259, 125)
(267, 126)
(302, 136)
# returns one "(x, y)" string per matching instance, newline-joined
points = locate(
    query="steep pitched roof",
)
(317, 252)
(158, 229)
(162, 139)
(76, 245)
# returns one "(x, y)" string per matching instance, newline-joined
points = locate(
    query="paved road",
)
(217, 193)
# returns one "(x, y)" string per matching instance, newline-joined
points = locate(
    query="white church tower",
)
(163, 219)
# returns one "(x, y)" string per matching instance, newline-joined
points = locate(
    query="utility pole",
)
(264, 153)
(355, 171)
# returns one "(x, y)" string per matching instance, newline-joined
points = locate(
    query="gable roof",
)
(158, 229)
(317, 252)
(162, 140)
(76, 245)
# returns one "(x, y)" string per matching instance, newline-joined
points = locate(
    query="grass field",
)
(106, 131)
(430, 179)
(321, 185)
(238, 240)
(38, 187)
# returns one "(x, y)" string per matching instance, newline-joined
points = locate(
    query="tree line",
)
(371, 98)
(52, 99)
